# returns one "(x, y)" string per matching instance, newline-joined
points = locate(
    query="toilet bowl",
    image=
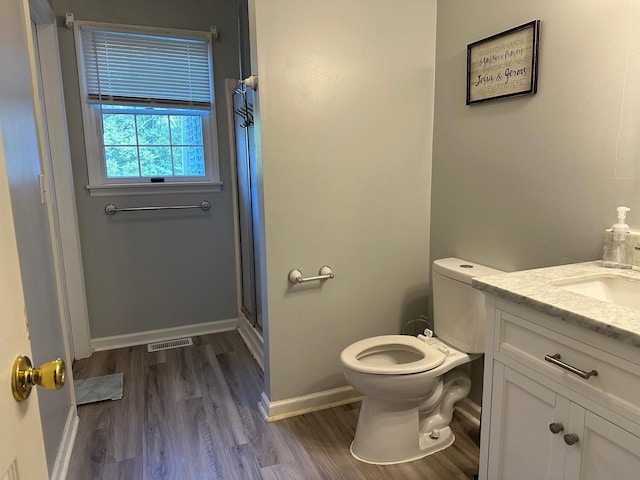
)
(403, 380)
(410, 385)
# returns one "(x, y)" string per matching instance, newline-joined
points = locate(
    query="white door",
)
(29, 225)
(522, 411)
(22, 453)
(603, 451)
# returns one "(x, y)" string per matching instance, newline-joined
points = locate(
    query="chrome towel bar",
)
(111, 208)
(325, 273)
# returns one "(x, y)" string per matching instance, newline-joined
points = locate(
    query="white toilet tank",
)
(458, 308)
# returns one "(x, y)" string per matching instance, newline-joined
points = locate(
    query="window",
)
(148, 109)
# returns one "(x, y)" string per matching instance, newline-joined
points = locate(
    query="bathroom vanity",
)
(562, 374)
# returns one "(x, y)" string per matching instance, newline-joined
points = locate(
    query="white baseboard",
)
(291, 407)
(469, 410)
(66, 446)
(162, 334)
(252, 339)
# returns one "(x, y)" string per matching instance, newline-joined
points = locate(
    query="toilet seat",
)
(391, 355)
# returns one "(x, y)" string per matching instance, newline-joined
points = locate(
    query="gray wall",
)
(163, 269)
(533, 181)
(345, 115)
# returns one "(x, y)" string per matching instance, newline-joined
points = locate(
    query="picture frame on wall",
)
(504, 65)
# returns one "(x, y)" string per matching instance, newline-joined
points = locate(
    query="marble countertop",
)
(532, 288)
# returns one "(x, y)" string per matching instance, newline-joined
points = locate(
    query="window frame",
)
(101, 185)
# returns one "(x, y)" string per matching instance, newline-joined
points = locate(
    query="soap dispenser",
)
(616, 253)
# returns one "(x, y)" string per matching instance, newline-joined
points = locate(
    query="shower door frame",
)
(249, 326)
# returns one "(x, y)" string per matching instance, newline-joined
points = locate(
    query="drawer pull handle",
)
(555, 359)
(571, 438)
(556, 427)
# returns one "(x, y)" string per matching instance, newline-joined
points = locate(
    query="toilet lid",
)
(391, 355)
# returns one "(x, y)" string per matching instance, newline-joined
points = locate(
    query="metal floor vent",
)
(180, 342)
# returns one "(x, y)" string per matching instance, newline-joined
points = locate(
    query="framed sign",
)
(503, 65)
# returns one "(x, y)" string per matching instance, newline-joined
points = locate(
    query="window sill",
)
(117, 190)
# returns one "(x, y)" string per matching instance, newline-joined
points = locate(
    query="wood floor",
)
(191, 413)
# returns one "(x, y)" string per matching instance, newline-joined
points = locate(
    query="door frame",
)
(58, 194)
(66, 237)
(251, 337)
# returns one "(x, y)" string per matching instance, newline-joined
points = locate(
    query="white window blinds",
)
(135, 68)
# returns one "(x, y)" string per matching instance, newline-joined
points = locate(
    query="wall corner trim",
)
(63, 458)
(252, 339)
(162, 334)
(291, 407)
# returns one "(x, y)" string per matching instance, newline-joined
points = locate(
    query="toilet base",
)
(403, 431)
(428, 446)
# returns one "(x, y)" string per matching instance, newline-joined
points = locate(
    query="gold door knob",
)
(50, 375)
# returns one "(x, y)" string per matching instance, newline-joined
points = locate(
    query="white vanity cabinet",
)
(542, 421)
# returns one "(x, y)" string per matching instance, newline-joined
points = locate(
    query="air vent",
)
(180, 342)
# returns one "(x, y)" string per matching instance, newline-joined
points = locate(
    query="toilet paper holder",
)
(325, 273)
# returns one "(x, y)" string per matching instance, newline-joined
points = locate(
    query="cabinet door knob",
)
(556, 427)
(570, 438)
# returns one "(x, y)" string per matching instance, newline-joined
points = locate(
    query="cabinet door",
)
(604, 451)
(522, 446)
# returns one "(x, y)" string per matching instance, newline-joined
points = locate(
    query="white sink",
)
(607, 287)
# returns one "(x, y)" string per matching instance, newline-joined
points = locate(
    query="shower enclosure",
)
(245, 162)
(247, 201)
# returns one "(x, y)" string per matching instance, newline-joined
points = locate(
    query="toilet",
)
(410, 385)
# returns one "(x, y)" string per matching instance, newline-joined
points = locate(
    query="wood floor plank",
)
(151, 358)
(182, 374)
(130, 469)
(246, 462)
(92, 445)
(93, 454)
(286, 471)
(191, 413)
(219, 406)
(246, 402)
(100, 363)
(200, 457)
(293, 451)
(159, 447)
(319, 437)
(127, 431)
(221, 342)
